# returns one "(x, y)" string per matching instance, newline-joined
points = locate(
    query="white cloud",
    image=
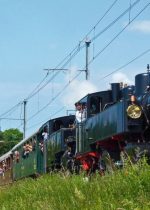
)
(121, 77)
(77, 89)
(141, 26)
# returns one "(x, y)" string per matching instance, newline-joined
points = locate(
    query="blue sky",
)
(38, 34)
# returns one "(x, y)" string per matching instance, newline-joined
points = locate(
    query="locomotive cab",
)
(96, 102)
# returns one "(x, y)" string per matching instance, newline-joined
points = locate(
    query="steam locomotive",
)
(117, 123)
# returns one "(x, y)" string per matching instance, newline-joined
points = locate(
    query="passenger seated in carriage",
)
(27, 148)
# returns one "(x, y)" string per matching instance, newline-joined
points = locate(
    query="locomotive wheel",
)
(106, 163)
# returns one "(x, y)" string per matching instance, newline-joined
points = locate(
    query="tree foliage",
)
(12, 135)
(8, 139)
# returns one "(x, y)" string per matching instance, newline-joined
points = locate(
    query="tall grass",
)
(126, 189)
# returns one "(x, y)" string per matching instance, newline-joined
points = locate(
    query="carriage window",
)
(58, 124)
(95, 105)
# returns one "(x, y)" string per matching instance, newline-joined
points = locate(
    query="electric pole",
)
(24, 118)
(87, 59)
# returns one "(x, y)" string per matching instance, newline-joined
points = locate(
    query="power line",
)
(37, 87)
(104, 30)
(40, 88)
(7, 118)
(59, 93)
(78, 47)
(94, 27)
(114, 21)
(126, 64)
(76, 50)
(71, 55)
(47, 119)
(56, 96)
(118, 34)
(11, 109)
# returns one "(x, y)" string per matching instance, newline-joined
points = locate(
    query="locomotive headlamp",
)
(134, 111)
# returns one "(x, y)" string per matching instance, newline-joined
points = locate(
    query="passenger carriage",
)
(36, 154)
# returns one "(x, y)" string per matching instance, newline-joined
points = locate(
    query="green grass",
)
(128, 189)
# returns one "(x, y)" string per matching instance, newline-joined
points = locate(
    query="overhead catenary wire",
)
(59, 93)
(56, 96)
(118, 34)
(8, 118)
(79, 47)
(114, 21)
(73, 54)
(126, 64)
(44, 107)
(102, 31)
(142, 54)
(62, 108)
(94, 27)
(36, 88)
(121, 67)
(11, 109)
(70, 55)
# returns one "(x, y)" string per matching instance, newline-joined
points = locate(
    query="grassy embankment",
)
(128, 189)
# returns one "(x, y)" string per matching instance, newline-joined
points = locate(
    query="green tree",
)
(1, 136)
(8, 139)
(6, 146)
(12, 135)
